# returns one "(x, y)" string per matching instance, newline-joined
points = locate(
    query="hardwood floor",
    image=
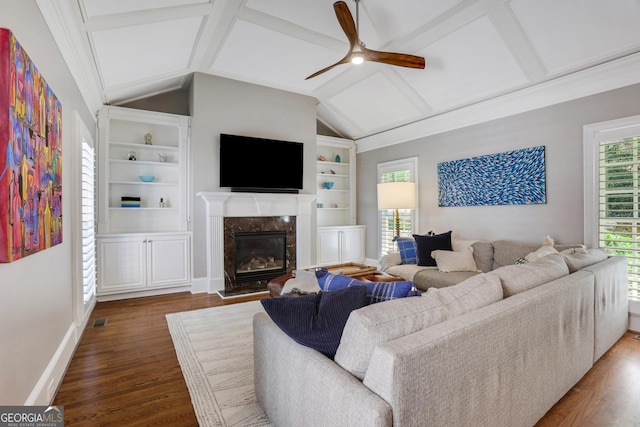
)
(127, 374)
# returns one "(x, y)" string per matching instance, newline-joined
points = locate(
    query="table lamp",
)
(397, 195)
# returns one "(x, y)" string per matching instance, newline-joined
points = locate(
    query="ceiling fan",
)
(358, 53)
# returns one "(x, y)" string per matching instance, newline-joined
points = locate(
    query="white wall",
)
(37, 333)
(220, 105)
(558, 128)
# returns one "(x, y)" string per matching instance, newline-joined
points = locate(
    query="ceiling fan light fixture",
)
(357, 58)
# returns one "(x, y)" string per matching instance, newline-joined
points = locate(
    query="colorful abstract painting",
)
(30, 156)
(511, 178)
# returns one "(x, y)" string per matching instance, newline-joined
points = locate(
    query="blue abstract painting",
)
(511, 178)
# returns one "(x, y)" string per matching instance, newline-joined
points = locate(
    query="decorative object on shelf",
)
(30, 156)
(328, 185)
(130, 202)
(319, 205)
(162, 203)
(332, 171)
(147, 138)
(397, 195)
(132, 155)
(510, 178)
(322, 158)
(334, 205)
(337, 158)
(147, 178)
(162, 157)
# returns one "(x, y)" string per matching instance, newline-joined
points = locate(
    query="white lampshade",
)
(397, 195)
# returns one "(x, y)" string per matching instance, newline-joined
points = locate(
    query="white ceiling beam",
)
(601, 78)
(63, 23)
(139, 17)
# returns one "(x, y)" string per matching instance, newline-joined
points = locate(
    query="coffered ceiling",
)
(476, 51)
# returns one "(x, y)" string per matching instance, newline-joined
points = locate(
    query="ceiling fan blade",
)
(342, 61)
(346, 22)
(399, 59)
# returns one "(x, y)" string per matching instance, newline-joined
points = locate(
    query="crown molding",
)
(59, 16)
(601, 78)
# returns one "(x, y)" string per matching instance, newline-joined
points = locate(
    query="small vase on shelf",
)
(337, 158)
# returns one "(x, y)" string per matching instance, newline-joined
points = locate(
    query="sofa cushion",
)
(483, 255)
(376, 291)
(578, 261)
(431, 278)
(407, 249)
(507, 252)
(428, 244)
(380, 323)
(522, 277)
(448, 261)
(316, 320)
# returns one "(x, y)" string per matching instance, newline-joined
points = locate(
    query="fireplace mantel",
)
(231, 204)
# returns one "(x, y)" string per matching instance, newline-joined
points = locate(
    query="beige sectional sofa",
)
(487, 256)
(498, 349)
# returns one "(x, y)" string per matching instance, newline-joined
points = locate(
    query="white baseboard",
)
(199, 285)
(50, 380)
(46, 387)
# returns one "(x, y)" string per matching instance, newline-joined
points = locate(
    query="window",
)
(399, 170)
(84, 243)
(612, 175)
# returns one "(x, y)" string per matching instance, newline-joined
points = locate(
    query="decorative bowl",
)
(328, 185)
(147, 178)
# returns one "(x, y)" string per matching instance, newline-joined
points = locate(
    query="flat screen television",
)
(260, 165)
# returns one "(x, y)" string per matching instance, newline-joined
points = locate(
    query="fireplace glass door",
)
(260, 255)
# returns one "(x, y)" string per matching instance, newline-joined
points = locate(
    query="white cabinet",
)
(339, 240)
(337, 245)
(143, 225)
(336, 163)
(136, 262)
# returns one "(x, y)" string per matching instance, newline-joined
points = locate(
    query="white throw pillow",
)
(459, 245)
(389, 260)
(448, 261)
(543, 251)
(305, 282)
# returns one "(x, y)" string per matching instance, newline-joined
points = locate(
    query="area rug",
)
(215, 350)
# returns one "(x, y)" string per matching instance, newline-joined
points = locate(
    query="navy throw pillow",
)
(407, 248)
(316, 320)
(428, 244)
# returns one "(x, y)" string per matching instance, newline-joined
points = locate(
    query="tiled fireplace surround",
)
(256, 208)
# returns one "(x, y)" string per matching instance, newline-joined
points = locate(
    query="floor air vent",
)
(99, 323)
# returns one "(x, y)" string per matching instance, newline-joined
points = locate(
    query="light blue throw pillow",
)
(408, 249)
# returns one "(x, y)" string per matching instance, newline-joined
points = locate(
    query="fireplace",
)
(243, 210)
(260, 255)
(257, 249)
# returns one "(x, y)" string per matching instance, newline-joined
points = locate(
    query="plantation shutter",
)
(619, 201)
(399, 171)
(88, 223)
